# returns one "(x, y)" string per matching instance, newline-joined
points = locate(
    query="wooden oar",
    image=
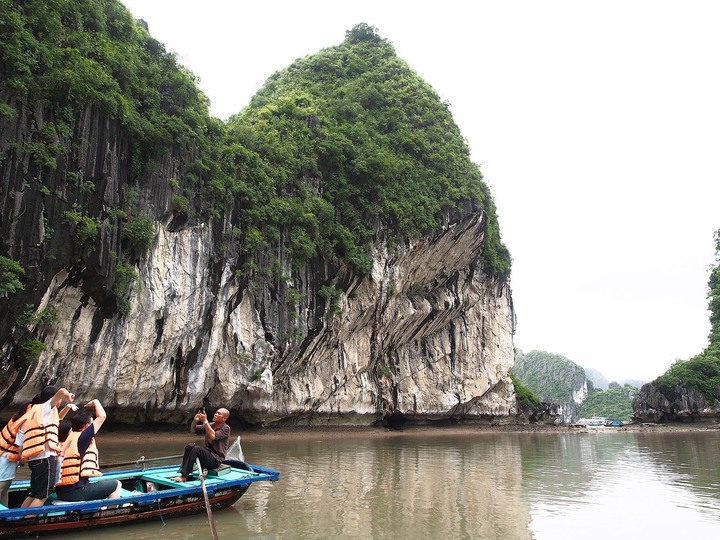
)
(140, 461)
(201, 475)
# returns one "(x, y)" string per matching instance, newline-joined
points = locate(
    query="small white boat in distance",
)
(595, 421)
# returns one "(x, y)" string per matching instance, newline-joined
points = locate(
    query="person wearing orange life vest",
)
(80, 460)
(10, 442)
(40, 445)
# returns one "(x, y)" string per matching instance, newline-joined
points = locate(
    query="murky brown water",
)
(449, 485)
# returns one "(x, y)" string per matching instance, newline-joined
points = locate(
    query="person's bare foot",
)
(179, 479)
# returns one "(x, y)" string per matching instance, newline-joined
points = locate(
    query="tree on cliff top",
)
(68, 54)
(337, 146)
(714, 297)
(354, 126)
(701, 372)
(338, 150)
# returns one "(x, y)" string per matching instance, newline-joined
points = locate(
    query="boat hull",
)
(155, 496)
(113, 516)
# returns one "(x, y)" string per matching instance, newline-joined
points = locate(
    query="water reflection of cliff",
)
(617, 480)
(566, 464)
(460, 487)
(692, 456)
(509, 486)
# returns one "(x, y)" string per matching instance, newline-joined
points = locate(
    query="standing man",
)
(217, 440)
(41, 446)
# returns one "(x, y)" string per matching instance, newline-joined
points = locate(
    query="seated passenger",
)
(217, 440)
(80, 460)
(64, 428)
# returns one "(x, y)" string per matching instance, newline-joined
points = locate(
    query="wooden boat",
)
(148, 493)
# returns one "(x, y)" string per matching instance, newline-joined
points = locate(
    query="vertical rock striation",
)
(331, 256)
(428, 334)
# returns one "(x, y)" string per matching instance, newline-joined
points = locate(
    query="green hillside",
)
(69, 54)
(553, 378)
(108, 139)
(358, 140)
(614, 403)
(341, 149)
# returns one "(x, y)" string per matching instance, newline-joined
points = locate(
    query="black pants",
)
(207, 459)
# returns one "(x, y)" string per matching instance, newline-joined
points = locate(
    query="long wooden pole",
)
(140, 461)
(201, 475)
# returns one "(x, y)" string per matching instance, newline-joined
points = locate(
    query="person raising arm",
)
(217, 440)
(40, 445)
(80, 460)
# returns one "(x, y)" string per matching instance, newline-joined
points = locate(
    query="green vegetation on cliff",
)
(68, 54)
(714, 297)
(357, 139)
(337, 148)
(10, 273)
(614, 403)
(526, 396)
(702, 372)
(341, 150)
(554, 378)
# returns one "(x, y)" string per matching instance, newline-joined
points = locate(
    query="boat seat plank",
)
(165, 478)
(222, 470)
(115, 476)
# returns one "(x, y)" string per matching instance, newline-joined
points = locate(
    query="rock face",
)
(428, 334)
(554, 379)
(544, 413)
(444, 354)
(330, 255)
(682, 404)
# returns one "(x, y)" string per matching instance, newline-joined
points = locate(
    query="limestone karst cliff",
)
(682, 404)
(554, 379)
(327, 257)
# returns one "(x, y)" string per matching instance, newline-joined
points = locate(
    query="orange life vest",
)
(7, 437)
(37, 434)
(73, 466)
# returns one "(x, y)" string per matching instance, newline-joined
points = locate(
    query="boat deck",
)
(165, 477)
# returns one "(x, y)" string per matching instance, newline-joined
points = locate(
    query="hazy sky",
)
(596, 125)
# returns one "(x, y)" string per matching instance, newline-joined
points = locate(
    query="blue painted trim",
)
(153, 474)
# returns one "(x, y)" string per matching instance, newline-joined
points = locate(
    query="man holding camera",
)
(217, 440)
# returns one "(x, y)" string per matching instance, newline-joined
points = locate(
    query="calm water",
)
(443, 485)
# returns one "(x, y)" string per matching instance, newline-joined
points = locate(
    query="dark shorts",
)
(91, 491)
(43, 473)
